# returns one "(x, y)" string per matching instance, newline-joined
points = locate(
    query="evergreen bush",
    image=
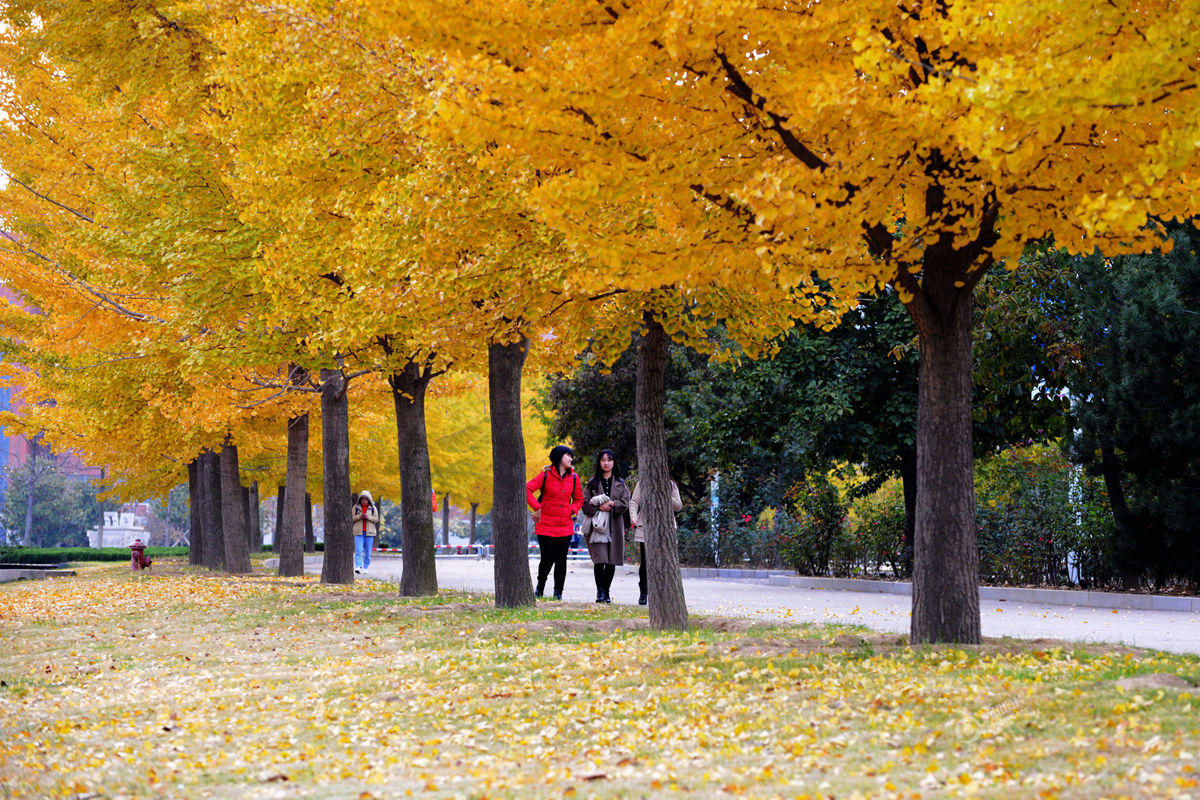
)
(64, 555)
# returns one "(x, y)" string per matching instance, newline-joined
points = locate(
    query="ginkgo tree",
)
(869, 142)
(415, 258)
(147, 91)
(119, 195)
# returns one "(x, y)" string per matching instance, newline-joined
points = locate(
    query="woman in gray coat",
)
(605, 499)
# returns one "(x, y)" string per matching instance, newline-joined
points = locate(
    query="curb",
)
(1057, 597)
(9, 575)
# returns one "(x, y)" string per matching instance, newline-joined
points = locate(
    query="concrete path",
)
(1175, 631)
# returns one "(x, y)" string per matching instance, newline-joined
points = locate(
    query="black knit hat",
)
(558, 452)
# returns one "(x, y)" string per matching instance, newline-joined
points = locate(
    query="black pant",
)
(642, 569)
(554, 554)
(604, 576)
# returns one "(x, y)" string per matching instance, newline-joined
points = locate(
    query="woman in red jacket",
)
(555, 495)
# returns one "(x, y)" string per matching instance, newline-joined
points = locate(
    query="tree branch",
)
(38, 194)
(103, 297)
(740, 89)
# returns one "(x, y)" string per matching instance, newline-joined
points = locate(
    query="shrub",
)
(63, 555)
(695, 548)
(875, 536)
(810, 536)
(748, 543)
(1042, 521)
(737, 544)
(1096, 552)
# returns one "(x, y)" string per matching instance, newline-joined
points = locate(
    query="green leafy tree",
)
(170, 519)
(847, 395)
(1136, 385)
(594, 410)
(63, 508)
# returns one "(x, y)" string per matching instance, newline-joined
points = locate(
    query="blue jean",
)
(362, 550)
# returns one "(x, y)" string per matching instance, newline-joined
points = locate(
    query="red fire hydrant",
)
(138, 558)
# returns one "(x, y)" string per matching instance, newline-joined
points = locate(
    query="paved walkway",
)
(1176, 631)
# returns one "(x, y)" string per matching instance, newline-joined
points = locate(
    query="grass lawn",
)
(179, 683)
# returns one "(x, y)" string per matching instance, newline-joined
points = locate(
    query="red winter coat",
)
(562, 497)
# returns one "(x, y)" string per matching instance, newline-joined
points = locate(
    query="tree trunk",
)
(233, 513)
(295, 516)
(474, 506)
(668, 609)
(100, 506)
(310, 538)
(418, 576)
(209, 473)
(446, 519)
(256, 544)
(1129, 527)
(908, 480)
(246, 519)
(195, 537)
(338, 564)
(1110, 470)
(277, 536)
(31, 487)
(510, 517)
(946, 557)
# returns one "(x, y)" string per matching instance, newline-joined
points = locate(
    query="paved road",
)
(1163, 630)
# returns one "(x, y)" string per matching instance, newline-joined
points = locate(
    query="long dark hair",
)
(599, 473)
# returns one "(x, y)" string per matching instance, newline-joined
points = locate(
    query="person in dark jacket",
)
(605, 496)
(555, 494)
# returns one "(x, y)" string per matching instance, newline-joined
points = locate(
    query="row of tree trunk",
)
(224, 513)
(216, 497)
(945, 585)
(225, 524)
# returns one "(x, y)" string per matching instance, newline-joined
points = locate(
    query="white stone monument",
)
(120, 529)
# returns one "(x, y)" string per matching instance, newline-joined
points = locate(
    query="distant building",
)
(15, 451)
(120, 529)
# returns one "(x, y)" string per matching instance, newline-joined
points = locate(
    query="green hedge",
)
(62, 555)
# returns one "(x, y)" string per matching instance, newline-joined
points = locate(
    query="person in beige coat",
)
(365, 524)
(639, 533)
(605, 500)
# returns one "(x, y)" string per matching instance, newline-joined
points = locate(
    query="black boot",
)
(558, 594)
(599, 595)
(541, 587)
(642, 598)
(607, 597)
